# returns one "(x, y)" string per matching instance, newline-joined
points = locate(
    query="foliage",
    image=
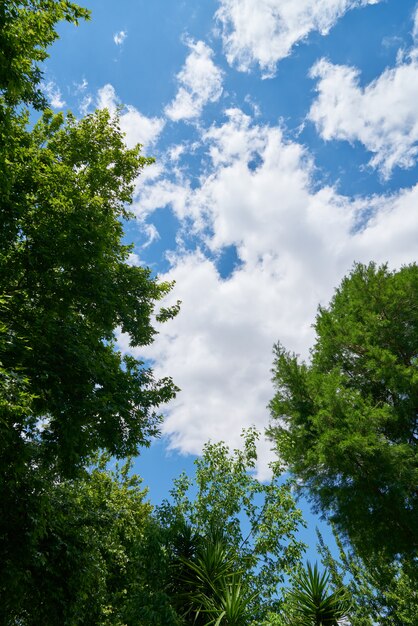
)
(27, 28)
(66, 289)
(63, 269)
(382, 594)
(346, 424)
(92, 564)
(214, 592)
(312, 604)
(259, 523)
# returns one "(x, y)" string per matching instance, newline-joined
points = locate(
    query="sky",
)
(285, 134)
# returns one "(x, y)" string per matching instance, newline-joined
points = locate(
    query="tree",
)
(65, 289)
(27, 28)
(64, 272)
(382, 594)
(346, 423)
(99, 560)
(257, 548)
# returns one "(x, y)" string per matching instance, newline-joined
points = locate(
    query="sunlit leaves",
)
(347, 422)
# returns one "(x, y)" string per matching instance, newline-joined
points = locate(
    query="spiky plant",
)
(314, 604)
(217, 594)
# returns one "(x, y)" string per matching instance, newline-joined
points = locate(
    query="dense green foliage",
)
(381, 593)
(65, 289)
(311, 603)
(99, 556)
(253, 527)
(63, 271)
(346, 424)
(97, 560)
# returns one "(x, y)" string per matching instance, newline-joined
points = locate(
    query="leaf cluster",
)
(27, 29)
(63, 269)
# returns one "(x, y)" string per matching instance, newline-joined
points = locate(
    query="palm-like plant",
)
(313, 604)
(217, 594)
(228, 604)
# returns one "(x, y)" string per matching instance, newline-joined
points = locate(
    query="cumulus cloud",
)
(295, 243)
(200, 82)
(53, 94)
(120, 37)
(382, 115)
(264, 31)
(137, 127)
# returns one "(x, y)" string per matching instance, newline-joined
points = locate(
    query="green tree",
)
(27, 28)
(382, 594)
(258, 548)
(64, 271)
(99, 560)
(65, 289)
(346, 423)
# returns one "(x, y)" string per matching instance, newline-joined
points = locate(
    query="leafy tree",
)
(64, 271)
(27, 28)
(258, 547)
(98, 560)
(346, 423)
(66, 287)
(382, 594)
(65, 290)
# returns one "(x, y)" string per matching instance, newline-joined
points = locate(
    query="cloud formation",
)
(120, 37)
(382, 115)
(137, 127)
(263, 32)
(295, 243)
(53, 94)
(200, 82)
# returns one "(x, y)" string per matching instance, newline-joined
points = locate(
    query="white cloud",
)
(81, 86)
(137, 127)
(265, 31)
(133, 259)
(85, 104)
(382, 115)
(53, 93)
(200, 82)
(295, 243)
(152, 234)
(120, 37)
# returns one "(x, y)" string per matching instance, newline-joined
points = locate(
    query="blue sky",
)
(285, 134)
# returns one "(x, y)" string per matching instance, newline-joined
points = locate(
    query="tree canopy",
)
(67, 287)
(241, 531)
(380, 593)
(346, 423)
